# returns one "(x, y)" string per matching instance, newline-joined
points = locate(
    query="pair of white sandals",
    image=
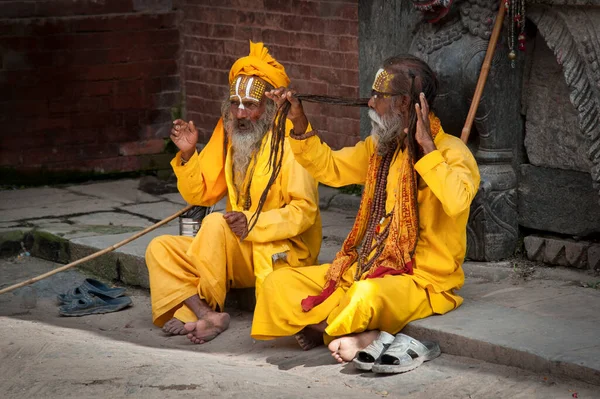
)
(390, 354)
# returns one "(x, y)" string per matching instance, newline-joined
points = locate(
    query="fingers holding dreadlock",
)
(278, 95)
(294, 111)
(423, 131)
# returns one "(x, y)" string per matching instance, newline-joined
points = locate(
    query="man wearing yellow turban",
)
(272, 216)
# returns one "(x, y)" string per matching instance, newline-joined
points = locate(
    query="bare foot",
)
(309, 338)
(174, 327)
(344, 349)
(207, 328)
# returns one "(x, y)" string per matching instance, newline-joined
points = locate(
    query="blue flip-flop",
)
(92, 286)
(88, 304)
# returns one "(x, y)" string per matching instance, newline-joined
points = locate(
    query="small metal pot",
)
(190, 221)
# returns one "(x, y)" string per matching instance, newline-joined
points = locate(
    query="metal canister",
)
(190, 222)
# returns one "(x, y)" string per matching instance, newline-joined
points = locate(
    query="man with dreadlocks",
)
(272, 217)
(402, 259)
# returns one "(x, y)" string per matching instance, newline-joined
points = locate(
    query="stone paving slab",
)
(111, 219)
(59, 208)
(125, 191)
(7, 225)
(154, 211)
(136, 248)
(34, 197)
(174, 197)
(517, 338)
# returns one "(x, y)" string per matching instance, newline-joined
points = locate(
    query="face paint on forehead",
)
(246, 88)
(383, 81)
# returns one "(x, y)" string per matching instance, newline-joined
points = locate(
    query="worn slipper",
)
(405, 354)
(365, 358)
(93, 304)
(92, 286)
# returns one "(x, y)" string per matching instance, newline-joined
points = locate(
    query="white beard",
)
(245, 144)
(385, 130)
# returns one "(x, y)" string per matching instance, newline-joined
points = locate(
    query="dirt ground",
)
(122, 354)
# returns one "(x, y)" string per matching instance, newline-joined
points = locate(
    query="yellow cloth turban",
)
(260, 63)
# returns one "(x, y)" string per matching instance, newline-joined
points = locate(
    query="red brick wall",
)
(86, 85)
(316, 41)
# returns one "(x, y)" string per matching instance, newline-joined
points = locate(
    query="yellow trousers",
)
(386, 304)
(208, 265)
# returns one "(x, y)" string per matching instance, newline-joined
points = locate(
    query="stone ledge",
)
(563, 252)
(502, 339)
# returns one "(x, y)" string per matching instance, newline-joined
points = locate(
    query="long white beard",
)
(245, 144)
(386, 130)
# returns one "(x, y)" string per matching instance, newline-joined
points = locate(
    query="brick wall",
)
(316, 41)
(86, 86)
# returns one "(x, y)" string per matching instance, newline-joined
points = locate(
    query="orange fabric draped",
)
(260, 63)
(401, 242)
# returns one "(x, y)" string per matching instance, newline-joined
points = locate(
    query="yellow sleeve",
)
(201, 181)
(452, 175)
(334, 168)
(301, 197)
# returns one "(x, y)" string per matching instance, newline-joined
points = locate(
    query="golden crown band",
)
(383, 81)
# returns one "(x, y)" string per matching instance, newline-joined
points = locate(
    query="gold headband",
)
(246, 87)
(383, 81)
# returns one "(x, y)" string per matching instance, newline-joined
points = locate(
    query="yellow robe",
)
(215, 260)
(449, 179)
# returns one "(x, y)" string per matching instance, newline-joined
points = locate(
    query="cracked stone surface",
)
(35, 197)
(150, 210)
(112, 219)
(174, 197)
(125, 191)
(59, 208)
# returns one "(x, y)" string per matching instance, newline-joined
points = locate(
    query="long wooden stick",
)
(96, 254)
(485, 69)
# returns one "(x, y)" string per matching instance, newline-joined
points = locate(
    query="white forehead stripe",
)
(237, 92)
(249, 86)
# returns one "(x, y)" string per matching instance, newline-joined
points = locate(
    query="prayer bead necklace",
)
(376, 217)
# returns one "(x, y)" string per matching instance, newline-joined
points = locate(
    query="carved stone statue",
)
(454, 43)
(573, 34)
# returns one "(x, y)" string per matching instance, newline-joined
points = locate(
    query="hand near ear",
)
(423, 133)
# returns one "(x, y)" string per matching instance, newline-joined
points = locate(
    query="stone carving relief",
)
(573, 34)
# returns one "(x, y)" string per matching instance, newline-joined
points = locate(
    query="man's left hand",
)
(237, 223)
(423, 133)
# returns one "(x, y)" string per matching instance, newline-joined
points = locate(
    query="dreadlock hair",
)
(278, 140)
(413, 76)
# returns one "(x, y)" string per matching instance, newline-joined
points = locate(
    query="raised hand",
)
(185, 137)
(296, 113)
(237, 223)
(423, 133)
